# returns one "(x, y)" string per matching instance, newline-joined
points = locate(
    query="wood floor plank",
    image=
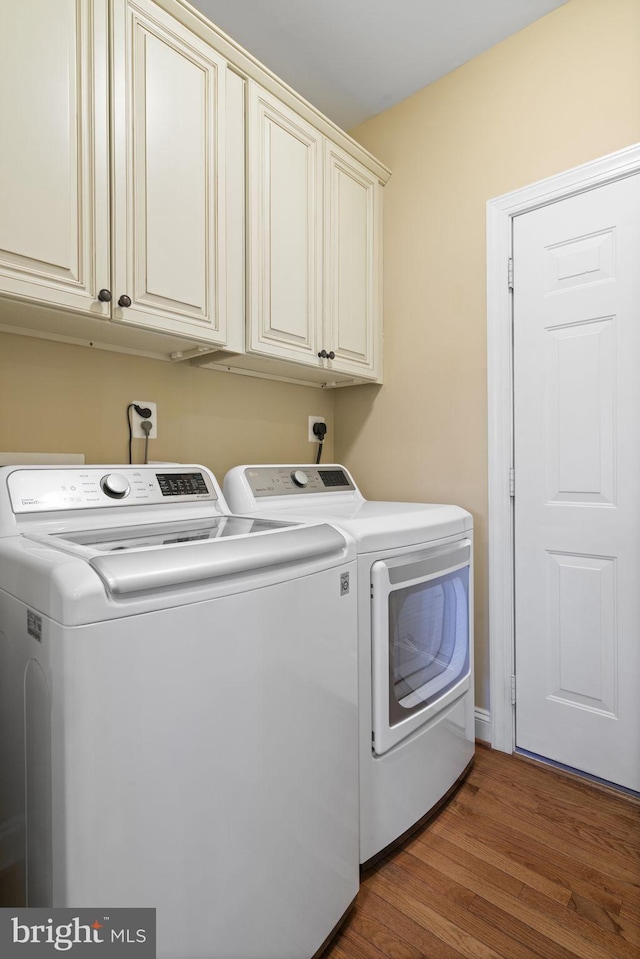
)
(437, 882)
(538, 796)
(613, 922)
(480, 938)
(530, 833)
(520, 931)
(502, 852)
(411, 931)
(574, 928)
(459, 935)
(362, 948)
(524, 857)
(476, 875)
(522, 863)
(549, 783)
(463, 867)
(389, 943)
(590, 843)
(630, 911)
(621, 832)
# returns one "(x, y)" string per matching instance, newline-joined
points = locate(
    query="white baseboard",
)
(483, 725)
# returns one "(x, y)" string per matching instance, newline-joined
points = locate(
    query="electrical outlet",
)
(136, 420)
(312, 420)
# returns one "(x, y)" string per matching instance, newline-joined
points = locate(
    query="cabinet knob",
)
(124, 300)
(322, 354)
(104, 296)
(331, 355)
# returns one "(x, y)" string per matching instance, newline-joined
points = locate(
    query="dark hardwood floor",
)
(524, 862)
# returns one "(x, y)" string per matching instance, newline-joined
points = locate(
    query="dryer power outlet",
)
(136, 431)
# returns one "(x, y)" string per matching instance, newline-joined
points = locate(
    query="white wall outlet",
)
(136, 420)
(312, 420)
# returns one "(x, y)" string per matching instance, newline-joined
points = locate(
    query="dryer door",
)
(421, 636)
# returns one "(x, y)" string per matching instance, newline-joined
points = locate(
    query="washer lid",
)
(119, 539)
(79, 585)
(139, 558)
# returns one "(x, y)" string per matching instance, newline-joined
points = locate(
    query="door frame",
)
(500, 213)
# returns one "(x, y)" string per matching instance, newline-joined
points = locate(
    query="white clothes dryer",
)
(178, 709)
(415, 622)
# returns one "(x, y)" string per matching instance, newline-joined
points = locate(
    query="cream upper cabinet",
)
(114, 199)
(157, 184)
(54, 158)
(352, 266)
(169, 101)
(315, 236)
(285, 231)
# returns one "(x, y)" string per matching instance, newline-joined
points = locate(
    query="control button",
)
(115, 485)
(300, 478)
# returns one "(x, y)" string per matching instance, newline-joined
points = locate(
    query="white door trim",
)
(500, 213)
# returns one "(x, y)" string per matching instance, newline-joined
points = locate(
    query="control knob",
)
(115, 485)
(300, 478)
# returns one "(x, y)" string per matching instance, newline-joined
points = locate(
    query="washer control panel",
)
(45, 490)
(288, 480)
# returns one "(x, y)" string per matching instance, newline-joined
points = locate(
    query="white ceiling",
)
(355, 58)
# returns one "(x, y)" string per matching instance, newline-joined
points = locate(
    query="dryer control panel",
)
(63, 488)
(288, 480)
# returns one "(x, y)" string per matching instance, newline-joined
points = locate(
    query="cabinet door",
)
(285, 226)
(353, 266)
(169, 98)
(54, 201)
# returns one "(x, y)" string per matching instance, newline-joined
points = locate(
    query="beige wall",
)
(55, 397)
(564, 91)
(561, 92)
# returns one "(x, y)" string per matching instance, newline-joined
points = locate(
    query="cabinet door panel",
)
(54, 202)
(352, 265)
(286, 231)
(288, 235)
(171, 216)
(169, 152)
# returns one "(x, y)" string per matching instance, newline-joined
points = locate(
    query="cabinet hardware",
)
(124, 300)
(104, 296)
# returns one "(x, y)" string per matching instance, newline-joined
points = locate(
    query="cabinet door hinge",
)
(513, 690)
(512, 482)
(510, 273)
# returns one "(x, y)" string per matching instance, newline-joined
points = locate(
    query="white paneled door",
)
(577, 481)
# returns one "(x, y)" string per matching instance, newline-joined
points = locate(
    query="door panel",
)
(581, 631)
(352, 264)
(580, 442)
(54, 199)
(285, 214)
(169, 175)
(288, 223)
(577, 464)
(175, 95)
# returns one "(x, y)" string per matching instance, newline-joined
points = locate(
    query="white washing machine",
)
(178, 710)
(415, 588)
